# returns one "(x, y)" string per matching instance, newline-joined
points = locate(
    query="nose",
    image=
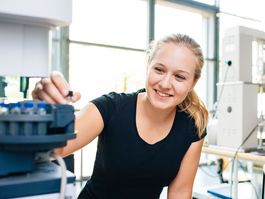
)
(165, 82)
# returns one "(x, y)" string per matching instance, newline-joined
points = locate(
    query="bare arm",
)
(88, 125)
(88, 121)
(181, 186)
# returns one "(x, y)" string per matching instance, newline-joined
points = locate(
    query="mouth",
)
(163, 94)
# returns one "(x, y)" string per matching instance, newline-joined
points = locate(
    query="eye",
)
(158, 70)
(180, 77)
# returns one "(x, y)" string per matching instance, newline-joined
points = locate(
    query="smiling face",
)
(170, 76)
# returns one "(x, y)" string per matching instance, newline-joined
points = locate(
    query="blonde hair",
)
(192, 103)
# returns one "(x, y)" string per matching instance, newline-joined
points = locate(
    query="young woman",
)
(147, 139)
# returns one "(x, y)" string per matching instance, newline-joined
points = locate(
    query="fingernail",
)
(65, 92)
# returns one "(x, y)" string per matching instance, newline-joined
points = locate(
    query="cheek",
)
(182, 89)
(152, 78)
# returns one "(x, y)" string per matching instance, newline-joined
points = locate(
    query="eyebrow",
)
(177, 71)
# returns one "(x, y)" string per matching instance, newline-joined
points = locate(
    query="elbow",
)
(60, 152)
(179, 194)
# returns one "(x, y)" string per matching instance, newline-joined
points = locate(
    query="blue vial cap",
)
(42, 104)
(5, 105)
(28, 105)
(14, 105)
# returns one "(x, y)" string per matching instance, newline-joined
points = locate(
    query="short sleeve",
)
(195, 137)
(106, 105)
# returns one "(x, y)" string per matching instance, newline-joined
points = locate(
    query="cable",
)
(208, 173)
(237, 150)
(63, 174)
(249, 181)
(221, 91)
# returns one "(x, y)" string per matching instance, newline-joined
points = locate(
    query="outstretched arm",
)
(88, 125)
(88, 121)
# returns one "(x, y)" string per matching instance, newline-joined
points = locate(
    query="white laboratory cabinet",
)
(25, 34)
(237, 114)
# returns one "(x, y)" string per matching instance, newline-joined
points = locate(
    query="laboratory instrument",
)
(30, 130)
(26, 144)
(238, 88)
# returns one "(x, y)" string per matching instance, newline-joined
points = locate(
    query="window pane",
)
(97, 70)
(116, 22)
(227, 21)
(172, 20)
(252, 9)
(201, 86)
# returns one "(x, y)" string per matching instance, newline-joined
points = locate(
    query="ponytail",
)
(197, 110)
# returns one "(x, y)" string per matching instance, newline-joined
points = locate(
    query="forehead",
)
(177, 56)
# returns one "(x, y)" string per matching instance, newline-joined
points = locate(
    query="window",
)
(107, 48)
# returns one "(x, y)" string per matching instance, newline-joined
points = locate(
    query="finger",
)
(42, 95)
(34, 95)
(39, 94)
(76, 96)
(60, 83)
(51, 91)
(36, 90)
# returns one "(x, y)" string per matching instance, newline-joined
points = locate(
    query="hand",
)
(53, 89)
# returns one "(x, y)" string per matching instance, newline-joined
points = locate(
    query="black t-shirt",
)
(127, 167)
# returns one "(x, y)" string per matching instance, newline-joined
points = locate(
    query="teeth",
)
(163, 94)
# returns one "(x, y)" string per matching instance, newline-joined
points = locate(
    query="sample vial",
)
(41, 108)
(41, 125)
(3, 109)
(28, 125)
(14, 108)
(14, 124)
(3, 112)
(28, 108)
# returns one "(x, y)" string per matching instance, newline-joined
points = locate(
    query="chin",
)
(161, 105)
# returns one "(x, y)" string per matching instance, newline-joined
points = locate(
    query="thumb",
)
(76, 96)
